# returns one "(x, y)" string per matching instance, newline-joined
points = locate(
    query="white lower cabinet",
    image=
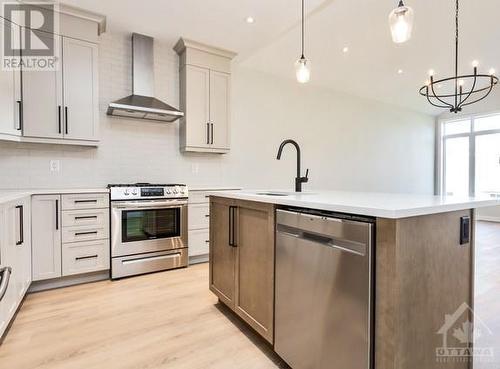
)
(46, 231)
(71, 234)
(84, 257)
(15, 257)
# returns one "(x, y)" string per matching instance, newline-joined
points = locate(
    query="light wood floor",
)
(162, 320)
(171, 320)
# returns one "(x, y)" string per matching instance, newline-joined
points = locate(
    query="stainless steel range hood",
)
(141, 104)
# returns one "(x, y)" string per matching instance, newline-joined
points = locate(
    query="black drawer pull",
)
(84, 201)
(21, 225)
(207, 241)
(207, 215)
(20, 106)
(86, 257)
(85, 233)
(86, 217)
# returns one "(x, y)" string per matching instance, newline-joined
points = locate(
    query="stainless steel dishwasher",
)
(323, 316)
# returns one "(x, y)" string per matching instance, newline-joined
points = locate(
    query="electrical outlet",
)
(55, 166)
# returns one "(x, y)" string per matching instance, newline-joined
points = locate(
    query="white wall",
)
(347, 142)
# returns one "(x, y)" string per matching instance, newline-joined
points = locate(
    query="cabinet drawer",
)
(198, 216)
(90, 217)
(84, 233)
(85, 257)
(198, 242)
(85, 201)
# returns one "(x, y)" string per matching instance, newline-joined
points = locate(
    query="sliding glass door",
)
(471, 156)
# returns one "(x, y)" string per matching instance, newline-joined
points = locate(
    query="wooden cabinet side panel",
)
(431, 277)
(222, 256)
(254, 300)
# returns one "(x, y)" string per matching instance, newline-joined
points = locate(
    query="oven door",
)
(148, 226)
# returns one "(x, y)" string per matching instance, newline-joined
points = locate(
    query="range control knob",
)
(175, 191)
(134, 192)
(168, 191)
(125, 192)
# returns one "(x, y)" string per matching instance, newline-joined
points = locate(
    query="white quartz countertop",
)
(11, 195)
(383, 205)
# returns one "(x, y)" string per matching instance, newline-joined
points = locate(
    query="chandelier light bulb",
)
(303, 70)
(475, 64)
(401, 23)
(427, 83)
(492, 71)
(461, 83)
(431, 72)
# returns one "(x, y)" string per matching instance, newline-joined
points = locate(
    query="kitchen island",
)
(421, 268)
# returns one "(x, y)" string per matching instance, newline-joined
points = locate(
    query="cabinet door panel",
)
(42, 99)
(219, 108)
(46, 232)
(80, 89)
(254, 300)
(222, 255)
(10, 91)
(197, 106)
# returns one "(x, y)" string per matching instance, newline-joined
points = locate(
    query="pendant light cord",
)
(456, 55)
(302, 57)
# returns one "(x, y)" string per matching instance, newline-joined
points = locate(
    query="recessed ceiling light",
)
(345, 49)
(400, 71)
(249, 20)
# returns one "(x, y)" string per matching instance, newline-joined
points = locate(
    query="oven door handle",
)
(154, 205)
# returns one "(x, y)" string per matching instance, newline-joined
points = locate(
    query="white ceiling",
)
(272, 43)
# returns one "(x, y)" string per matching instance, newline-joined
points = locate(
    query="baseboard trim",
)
(198, 259)
(487, 218)
(68, 281)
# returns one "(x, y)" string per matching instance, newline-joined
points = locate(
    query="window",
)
(470, 156)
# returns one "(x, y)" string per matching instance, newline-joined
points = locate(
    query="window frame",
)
(441, 148)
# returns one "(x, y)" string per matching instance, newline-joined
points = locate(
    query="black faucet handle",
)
(307, 173)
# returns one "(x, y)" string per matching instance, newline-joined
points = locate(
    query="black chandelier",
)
(456, 92)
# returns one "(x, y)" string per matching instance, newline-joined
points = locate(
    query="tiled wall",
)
(347, 142)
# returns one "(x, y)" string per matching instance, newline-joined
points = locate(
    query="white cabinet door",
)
(20, 216)
(10, 91)
(197, 107)
(219, 109)
(80, 89)
(7, 300)
(42, 100)
(46, 236)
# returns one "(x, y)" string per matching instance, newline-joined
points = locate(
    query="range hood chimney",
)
(141, 104)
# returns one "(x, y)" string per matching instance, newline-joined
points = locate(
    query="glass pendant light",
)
(303, 66)
(401, 23)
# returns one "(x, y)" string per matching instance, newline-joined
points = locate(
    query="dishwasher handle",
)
(349, 246)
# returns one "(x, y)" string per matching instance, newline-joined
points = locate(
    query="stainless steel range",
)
(148, 228)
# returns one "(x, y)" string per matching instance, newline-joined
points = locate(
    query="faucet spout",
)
(298, 180)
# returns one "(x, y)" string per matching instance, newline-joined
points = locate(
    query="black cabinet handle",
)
(86, 217)
(86, 257)
(212, 133)
(84, 201)
(232, 241)
(66, 119)
(208, 133)
(21, 225)
(20, 107)
(59, 119)
(57, 215)
(85, 233)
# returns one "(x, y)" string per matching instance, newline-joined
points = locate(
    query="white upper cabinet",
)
(196, 106)
(205, 74)
(219, 109)
(10, 91)
(80, 89)
(63, 103)
(42, 105)
(58, 106)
